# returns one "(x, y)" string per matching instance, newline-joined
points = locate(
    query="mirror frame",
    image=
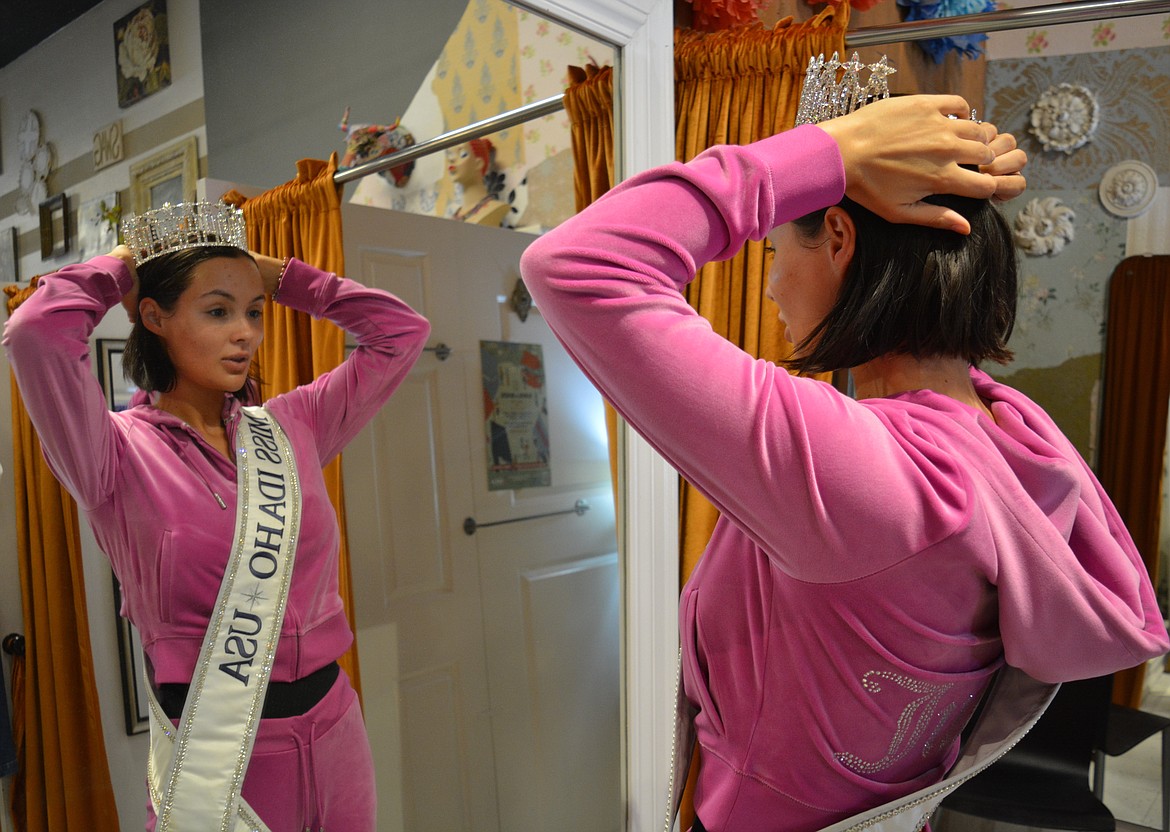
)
(642, 32)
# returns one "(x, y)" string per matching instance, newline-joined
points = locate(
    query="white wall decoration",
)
(1065, 117)
(36, 160)
(1128, 188)
(1044, 226)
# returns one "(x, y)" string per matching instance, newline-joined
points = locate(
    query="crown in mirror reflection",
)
(824, 97)
(182, 226)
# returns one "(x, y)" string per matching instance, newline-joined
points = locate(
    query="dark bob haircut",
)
(145, 361)
(917, 291)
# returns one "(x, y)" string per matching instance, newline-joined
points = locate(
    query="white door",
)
(490, 666)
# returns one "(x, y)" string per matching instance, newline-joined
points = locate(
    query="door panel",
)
(489, 661)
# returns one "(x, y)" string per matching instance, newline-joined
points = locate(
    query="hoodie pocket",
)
(696, 676)
(166, 567)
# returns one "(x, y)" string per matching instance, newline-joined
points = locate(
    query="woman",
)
(158, 484)
(878, 558)
(468, 166)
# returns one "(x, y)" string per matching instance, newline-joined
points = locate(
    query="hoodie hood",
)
(1075, 597)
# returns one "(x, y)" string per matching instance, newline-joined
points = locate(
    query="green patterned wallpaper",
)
(1060, 328)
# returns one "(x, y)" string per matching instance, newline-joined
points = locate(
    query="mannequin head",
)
(468, 163)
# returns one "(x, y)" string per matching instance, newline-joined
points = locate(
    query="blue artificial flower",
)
(969, 46)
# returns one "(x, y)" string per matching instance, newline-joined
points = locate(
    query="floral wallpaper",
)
(1132, 89)
(1140, 32)
(498, 58)
(1059, 334)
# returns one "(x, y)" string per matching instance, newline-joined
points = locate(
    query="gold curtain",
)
(734, 87)
(302, 219)
(589, 105)
(63, 782)
(1134, 411)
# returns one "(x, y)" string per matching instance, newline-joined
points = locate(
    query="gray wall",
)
(278, 74)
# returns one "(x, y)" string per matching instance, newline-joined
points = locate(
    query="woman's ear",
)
(150, 313)
(841, 232)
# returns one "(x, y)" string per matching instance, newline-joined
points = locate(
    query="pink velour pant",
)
(314, 771)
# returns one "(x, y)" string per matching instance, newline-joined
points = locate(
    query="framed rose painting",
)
(143, 52)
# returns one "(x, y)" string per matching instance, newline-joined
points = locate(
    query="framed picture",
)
(134, 696)
(119, 391)
(97, 226)
(54, 226)
(9, 256)
(143, 52)
(167, 176)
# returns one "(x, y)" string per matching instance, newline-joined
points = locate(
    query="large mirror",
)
(490, 707)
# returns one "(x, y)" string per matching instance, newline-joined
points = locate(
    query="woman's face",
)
(462, 164)
(801, 281)
(216, 326)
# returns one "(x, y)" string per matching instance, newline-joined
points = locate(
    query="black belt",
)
(282, 700)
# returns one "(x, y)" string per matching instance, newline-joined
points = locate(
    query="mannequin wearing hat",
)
(468, 165)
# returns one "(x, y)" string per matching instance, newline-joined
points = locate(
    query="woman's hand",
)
(271, 269)
(130, 299)
(899, 151)
(1009, 161)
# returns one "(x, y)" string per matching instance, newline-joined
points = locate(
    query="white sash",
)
(195, 771)
(1011, 707)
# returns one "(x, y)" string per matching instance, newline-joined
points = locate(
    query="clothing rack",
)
(1078, 11)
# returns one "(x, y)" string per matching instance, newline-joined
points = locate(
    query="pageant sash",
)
(196, 770)
(1011, 707)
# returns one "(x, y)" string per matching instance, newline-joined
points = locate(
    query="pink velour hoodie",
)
(876, 561)
(161, 500)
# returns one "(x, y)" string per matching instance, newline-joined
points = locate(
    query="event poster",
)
(515, 415)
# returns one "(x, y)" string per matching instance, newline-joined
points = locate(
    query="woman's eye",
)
(216, 313)
(255, 314)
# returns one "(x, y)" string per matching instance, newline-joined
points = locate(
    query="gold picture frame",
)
(167, 176)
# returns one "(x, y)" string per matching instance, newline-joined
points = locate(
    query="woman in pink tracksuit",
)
(878, 558)
(157, 482)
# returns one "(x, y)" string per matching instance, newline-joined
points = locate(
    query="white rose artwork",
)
(1044, 226)
(139, 49)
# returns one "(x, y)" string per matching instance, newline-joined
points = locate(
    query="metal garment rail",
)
(1079, 11)
(579, 508)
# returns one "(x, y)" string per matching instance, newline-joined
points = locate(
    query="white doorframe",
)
(642, 30)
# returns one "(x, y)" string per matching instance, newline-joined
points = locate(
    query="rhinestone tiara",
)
(823, 97)
(186, 225)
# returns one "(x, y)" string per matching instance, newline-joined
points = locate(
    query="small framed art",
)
(54, 226)
(118, 389)
(135, 704)
(9, 256)
(167, 176)
(143, 52)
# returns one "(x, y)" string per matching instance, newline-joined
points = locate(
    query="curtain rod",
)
(1081, 11)
(494, 124)
(1078, 11)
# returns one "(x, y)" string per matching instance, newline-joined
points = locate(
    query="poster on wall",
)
(97, 226)
(515, 415)
(143, 52)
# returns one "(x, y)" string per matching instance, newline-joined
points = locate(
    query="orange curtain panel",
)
(302, 219)
(63, 781)
(1136, 398)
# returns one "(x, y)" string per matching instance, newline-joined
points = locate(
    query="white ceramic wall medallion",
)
(1128, 188)
(1065, 117)
(1044, 226)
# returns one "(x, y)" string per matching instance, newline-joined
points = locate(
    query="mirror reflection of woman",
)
(159, 485)
(468, 165)
(877, 560)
